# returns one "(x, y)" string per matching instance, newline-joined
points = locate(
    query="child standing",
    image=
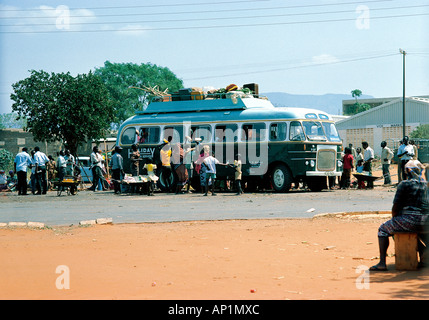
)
(237, 165)
(359, 169)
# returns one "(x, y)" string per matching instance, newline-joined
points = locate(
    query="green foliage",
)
(356, 93)
(421, 132)
(6, 160)
(120, 77)
(356, 107)
(9, 120)
(60, 107)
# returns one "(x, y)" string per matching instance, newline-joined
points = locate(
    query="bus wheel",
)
(281, 179)
(166, 182)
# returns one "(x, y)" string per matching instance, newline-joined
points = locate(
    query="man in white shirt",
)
(40, 160)
(21, 163)
(97, 164)
(210, 162)
(386, 156)
(405, 153)
(368, 156)
(61, 167)
(70, 163)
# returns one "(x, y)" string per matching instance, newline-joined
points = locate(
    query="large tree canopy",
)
(122, 79)
(60, 107)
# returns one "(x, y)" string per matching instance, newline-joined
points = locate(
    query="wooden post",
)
(406, 251)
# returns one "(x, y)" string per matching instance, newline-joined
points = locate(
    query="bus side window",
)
(148, 135)
(226, 133)
(129, 136)
(296, 132)
(174, 134)
(278, 131)
(253, 132)
(203, 131)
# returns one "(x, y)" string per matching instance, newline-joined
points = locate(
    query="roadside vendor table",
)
(139, 181)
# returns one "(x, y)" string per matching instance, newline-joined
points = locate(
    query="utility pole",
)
(403, 52)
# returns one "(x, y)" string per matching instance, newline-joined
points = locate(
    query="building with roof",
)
(384, 122)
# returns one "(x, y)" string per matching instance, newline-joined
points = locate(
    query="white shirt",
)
(403, 148)
(211, 163)
(387, 154)
(96, 159)
(40, 158)
(70, 160)
(61, 162)
(368, 154)
(22, 160)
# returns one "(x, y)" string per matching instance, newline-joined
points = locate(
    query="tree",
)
(357, 107)
(9, 120)
(60, 107)
(356, 93)
(123, 79)
(421, 132)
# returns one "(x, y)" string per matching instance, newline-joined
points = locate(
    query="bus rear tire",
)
(281, 178)
(162, 181)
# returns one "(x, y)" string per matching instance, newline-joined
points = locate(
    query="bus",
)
(279, 146)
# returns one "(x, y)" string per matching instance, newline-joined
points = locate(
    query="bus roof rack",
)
(229, 101)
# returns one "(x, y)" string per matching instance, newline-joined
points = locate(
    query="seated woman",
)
(410, 212)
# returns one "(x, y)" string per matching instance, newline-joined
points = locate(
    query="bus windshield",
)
(314, 131)
(331, 131)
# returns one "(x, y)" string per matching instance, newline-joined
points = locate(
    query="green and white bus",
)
(278, 146)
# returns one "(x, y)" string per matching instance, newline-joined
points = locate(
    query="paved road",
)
(86, 205)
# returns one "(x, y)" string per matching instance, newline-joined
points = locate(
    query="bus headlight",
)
(312, 163)
(339, 163)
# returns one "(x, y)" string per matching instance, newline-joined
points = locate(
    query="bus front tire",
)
(281, 178)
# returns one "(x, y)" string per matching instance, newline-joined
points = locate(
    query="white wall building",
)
(384, 122)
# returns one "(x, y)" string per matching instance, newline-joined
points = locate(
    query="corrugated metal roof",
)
(416, 111)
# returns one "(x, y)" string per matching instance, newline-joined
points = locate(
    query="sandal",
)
(376, 268)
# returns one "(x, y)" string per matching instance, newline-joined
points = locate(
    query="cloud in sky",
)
(132, 30)
(324, 59)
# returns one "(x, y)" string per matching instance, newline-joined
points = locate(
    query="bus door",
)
(254, 136)
(225, 148)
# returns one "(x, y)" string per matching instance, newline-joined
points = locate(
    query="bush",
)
(6, 160)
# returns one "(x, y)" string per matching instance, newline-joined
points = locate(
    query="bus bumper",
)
(323, 174)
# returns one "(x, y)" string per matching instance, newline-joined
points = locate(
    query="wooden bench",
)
(406, 250)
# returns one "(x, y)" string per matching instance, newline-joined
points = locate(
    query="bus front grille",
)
(326, 160)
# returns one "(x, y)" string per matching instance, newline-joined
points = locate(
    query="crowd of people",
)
(180, 160)
(361, 161)
(44, 170)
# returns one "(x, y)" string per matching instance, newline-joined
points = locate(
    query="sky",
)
(298, 47)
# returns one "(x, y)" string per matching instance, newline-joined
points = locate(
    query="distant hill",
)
(330, 103)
